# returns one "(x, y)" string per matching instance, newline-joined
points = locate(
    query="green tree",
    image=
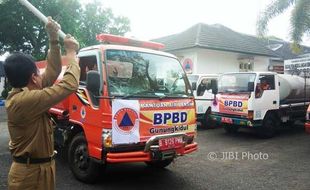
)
(299, 21)
(21, 31)
(96, 19)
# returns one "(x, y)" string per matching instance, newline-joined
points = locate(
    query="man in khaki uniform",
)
(31, 133)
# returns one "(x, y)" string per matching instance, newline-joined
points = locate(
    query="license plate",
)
(227, 120)
(170, 143)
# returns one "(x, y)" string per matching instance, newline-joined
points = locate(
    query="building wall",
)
(211, 61)
(261, 63)
(207, 61)
(185, 55)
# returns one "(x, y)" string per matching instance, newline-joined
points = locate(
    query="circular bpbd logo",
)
(188, 65)
(125, 119)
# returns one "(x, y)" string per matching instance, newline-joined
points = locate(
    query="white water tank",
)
(292, 88)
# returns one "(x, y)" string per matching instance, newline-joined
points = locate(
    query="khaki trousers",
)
(32, 176)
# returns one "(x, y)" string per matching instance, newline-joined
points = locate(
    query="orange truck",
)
(134, 104)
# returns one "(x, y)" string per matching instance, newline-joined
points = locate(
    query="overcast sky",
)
(151, 19)
(157, 18)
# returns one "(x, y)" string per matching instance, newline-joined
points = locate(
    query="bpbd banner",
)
(233, 104)
(136, 121)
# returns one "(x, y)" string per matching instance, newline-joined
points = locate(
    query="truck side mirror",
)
(250, 86)
(93, 82)
(214, 86)
(194, 85)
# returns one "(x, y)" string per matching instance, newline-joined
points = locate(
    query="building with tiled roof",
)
(216, 49)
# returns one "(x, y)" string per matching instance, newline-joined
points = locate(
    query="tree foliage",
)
(22, 31)
(299, 21)
(96, 20)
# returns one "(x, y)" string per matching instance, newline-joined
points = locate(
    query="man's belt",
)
(29, 160)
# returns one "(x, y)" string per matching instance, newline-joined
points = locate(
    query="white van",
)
(201, 85)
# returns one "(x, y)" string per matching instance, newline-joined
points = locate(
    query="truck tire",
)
(82, 167)
(159, 163)
(206, 122)
(269, 126)
(231, 129)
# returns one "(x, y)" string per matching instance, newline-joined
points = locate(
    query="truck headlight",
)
(107, 137)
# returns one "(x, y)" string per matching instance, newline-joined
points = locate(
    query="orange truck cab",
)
(134, 104)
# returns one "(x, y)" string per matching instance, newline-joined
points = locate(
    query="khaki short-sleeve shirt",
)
(29, 124)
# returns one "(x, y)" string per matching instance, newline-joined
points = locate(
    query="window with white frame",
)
(246, 66)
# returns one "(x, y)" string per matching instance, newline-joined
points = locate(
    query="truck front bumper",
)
(141, 156)
(151, 151)
(233, 120)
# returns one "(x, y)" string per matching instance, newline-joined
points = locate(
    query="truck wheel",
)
(230, 128)
(206, 122)
(159, 163)
(82, 167)
(269, 127)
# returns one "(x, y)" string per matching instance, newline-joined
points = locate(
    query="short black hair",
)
(18, 68)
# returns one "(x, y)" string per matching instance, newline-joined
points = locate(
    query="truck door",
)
(203, 94)
(89, 60)
(266, 95)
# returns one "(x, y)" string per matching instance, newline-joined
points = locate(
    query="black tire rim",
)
(81, 158)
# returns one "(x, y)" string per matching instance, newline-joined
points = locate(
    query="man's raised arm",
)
(54, 63)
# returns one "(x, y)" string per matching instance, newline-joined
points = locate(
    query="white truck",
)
(201, 86)
(260, 100)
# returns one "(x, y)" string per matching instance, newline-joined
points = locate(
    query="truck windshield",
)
(236, 82)
(140, 74)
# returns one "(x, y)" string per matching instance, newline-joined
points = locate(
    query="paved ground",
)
(278, 163)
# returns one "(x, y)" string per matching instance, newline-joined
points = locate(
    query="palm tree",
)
(299, 21)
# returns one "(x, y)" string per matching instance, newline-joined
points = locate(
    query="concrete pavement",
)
(218, 164)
